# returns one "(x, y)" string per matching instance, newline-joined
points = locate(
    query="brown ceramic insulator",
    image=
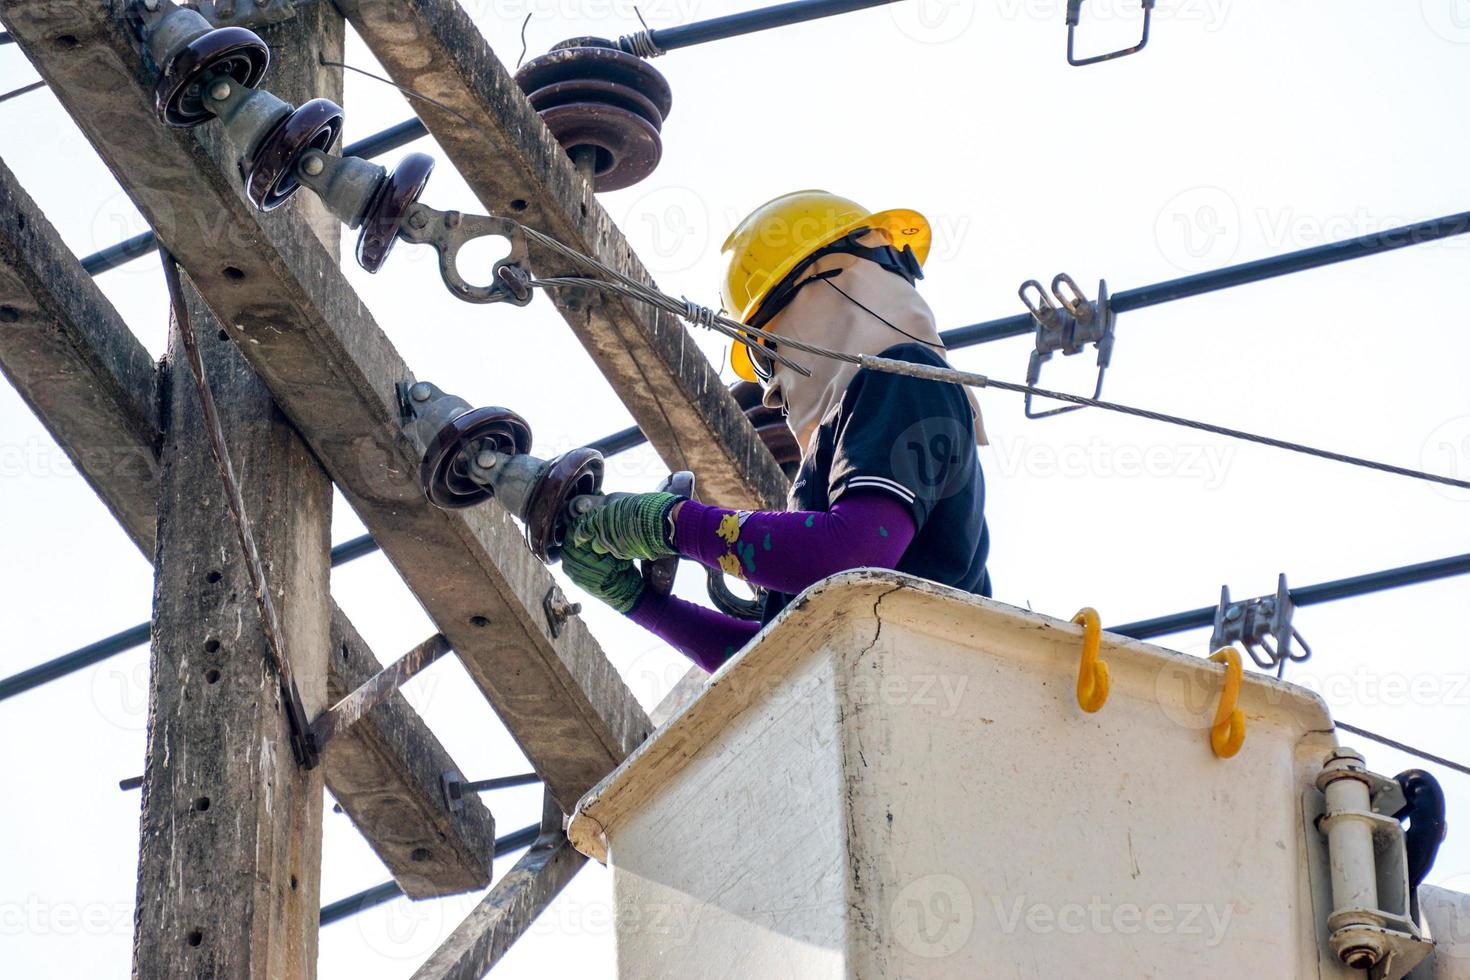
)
(401, 189)
(443, 472)
(178, 95)
(595, 97)
(572, 474)
(270, 168)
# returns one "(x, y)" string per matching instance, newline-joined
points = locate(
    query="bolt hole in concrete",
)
(211, 646)
(233, 273)
(294, 883)
(519, 204)
(201, 804)
(195, 937)
(66, 40)
(223, 335)
(479, 621)
(344, 651)
(213, 576)
(9, 314)
(211, 676)
(478, 257)
(421, 854)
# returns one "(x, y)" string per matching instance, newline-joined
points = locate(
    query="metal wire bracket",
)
(1074, 14)
(449, 231)
(1262, 625)
(1068, 328)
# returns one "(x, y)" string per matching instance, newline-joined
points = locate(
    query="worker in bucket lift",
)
(889, 476)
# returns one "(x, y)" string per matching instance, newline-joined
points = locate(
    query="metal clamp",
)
(1074, 14)
(449, 231)
(1069, 328)
(1256, 623)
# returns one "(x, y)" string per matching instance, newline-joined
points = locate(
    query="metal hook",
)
(449, 231)
(1069, 329)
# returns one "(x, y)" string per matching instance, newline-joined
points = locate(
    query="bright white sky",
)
(1244, 130)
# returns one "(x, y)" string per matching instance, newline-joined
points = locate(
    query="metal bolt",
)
(220, 90)
(224, 9)
(262, 3)
(419, 220)
(486, 459)
(1233, 612)
(421, 392)
(313, 164)
(582, 505)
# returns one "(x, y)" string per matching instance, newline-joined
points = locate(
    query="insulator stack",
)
(603, 106)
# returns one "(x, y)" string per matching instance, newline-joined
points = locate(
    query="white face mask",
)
(822, 315)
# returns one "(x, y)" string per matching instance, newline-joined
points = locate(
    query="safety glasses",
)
(765, 367)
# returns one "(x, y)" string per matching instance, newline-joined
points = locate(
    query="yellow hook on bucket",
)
(1228, 731)
(1092, 675)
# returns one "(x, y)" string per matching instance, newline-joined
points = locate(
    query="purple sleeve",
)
(707, 637)
(789, 550)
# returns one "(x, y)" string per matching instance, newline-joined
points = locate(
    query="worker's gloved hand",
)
(634, 526)
(616, 581)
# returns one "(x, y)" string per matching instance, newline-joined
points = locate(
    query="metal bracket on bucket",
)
(1262, 625)
(1074, 14)
(1068, 327)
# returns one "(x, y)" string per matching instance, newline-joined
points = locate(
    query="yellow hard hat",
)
(779, 235)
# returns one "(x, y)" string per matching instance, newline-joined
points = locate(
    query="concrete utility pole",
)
(229, 869)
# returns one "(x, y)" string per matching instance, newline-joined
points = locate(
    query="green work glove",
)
(632, 526)
(613, 580)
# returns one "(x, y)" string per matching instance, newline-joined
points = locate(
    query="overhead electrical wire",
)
(612, 280)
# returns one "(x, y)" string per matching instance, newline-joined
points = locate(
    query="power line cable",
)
(1459, 767)
(18, 92)
(765, 342)
(389, 890)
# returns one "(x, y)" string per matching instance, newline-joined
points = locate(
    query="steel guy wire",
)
(704, 316)
(235, 501)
